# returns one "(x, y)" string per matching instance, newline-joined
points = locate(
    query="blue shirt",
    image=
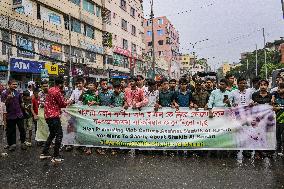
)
(183, 99)
(216, 98)
(105, 98)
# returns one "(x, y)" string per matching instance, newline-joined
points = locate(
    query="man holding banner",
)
(52, 111)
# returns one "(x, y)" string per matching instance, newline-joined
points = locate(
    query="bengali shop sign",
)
(243, 128)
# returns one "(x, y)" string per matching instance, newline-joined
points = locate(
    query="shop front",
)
(122, 59)
(24, 70)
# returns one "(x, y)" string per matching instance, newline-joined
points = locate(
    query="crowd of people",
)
(21, 109)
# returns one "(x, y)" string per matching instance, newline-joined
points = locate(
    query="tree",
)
(249, 70)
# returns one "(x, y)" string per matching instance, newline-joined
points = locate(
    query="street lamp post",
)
(193, 47)
(265, 55)
(153, 39)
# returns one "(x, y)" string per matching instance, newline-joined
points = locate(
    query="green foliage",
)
(249, 70)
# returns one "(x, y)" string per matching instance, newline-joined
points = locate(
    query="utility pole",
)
(265, 55)
(282, 3)
(193, 47)
(153, 40)
(69, 56)
(256, 61)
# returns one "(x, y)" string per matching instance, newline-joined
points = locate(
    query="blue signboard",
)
(26, 66)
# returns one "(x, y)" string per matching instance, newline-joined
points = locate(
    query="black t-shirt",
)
(256, 97)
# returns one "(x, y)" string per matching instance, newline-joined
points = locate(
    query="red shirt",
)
(136, 97)
(35, 102)
(53, 103)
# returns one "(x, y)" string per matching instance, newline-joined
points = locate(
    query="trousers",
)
(11, 130)
(55, 131)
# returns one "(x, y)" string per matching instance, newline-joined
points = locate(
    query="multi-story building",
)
(186, 63)
(56, 35)
(166, 43)
(92, 38)
(123, 36)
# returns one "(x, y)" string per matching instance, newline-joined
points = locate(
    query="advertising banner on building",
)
(27, 44)
(26, 66)
(51, 68)
(244, 128)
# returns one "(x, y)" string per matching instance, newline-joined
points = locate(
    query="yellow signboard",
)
(51, 68)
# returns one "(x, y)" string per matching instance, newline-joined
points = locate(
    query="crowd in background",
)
(21, 109)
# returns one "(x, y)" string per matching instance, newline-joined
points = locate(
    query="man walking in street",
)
(14, 107)
(52, 110)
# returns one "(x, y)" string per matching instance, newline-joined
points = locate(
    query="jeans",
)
(279, 136)
(11, 130)
(55, 131)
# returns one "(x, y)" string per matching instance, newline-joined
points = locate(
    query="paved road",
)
(23, 169)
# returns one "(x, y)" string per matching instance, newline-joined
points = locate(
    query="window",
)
(133, 30)
(124, 24)
(89, 6)
(77, 2)
(125, 44)
(89, 31)
(149, 33)
(149, 22)
(54, 18)
(132, 12)
(160, 21)
(150, 43)
(6, 37)
(66, 22)
(38, 11)
(98, 11)
(161, 42)
(75, 26)
(123, 4)
(114, 15)
(133, 48)
(160, 32)
(20, 10)
(160, 53)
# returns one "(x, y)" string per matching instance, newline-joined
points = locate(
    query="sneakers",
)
(280, 154)
(44, 156)
(58, 159)
(23, 146)
(28, 144)
(12, 148)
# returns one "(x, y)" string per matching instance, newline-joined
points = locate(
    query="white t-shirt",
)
(275, 89)
(241, 98)
(153, 97)
(75, 96)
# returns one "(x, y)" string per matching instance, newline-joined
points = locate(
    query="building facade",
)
(166, 44)
(187, 61)
(123, 37)
(66, 35)
(91, 38)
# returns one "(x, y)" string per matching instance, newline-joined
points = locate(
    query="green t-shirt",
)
(279, 102)
(89, 96)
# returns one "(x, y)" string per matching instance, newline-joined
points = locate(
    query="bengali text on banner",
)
(241, 128)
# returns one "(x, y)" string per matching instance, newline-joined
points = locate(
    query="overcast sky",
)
(232, 26)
